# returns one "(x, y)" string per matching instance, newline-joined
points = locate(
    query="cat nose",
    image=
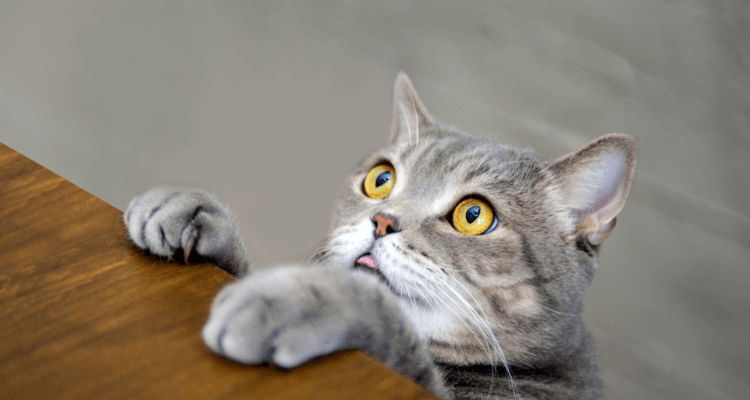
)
(383, 225)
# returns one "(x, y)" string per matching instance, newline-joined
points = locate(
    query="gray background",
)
(271, 104)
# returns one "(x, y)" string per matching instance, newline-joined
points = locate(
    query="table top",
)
(87, 315)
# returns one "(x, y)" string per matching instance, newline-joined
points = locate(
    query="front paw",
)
(165, 220)
(289, 315)
(285, 316)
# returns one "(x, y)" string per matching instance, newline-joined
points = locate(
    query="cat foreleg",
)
(289, 315)
(166, 219)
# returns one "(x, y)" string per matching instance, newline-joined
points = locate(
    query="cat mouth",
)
(368, 264)
(367, 260)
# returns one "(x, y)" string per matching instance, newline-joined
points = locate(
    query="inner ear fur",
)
(410, 117)
(595, 183)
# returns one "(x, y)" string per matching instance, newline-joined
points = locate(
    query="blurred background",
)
(270, 104)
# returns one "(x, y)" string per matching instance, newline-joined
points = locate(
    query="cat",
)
(455, 260)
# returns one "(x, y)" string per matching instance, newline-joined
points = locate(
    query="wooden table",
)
(85, 315)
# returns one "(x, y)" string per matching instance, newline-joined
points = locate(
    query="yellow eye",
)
(380, 181)
(474, 217)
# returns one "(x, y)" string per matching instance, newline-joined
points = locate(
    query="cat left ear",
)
(410, 117)
(595, 183)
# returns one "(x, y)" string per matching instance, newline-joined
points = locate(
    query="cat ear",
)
(595, 183)
(410, 116)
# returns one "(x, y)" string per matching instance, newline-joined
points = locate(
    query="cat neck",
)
(574, 376)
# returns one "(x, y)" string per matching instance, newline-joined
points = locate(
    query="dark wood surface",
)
(84, 315)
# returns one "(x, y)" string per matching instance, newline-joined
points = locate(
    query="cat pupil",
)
(543, 256)
(382, 178)
(472, 214)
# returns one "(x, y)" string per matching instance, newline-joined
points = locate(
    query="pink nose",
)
(383, 223)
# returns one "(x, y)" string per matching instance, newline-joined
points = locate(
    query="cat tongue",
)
(368, 260)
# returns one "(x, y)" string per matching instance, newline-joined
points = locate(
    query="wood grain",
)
(84, 315)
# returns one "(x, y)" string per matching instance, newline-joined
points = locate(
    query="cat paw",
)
(166, 220)
(286, 316)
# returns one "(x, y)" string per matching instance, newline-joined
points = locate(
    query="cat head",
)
(489, 248)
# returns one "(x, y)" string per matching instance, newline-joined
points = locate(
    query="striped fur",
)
(487, 316)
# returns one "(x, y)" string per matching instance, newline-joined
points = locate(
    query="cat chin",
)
(430, 321)
(370, 272)
(377, 274)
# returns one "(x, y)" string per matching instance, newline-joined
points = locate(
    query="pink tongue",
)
(367, 260)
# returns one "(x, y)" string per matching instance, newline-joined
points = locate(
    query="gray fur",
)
(487, 316)
(165, 219)
(292, 314)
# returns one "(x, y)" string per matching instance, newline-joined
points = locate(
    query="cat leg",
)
(166, 219)
(289, 315)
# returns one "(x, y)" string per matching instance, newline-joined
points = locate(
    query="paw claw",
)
(164, 220)
(190, 243)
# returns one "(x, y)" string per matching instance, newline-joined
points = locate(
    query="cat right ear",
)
(595, 183)
(410, 116)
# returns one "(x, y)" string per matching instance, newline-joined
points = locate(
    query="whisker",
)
(487, 327)
(475, 318)
(488, 343)
(472, 315)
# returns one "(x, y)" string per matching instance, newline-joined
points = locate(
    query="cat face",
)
(489, 248)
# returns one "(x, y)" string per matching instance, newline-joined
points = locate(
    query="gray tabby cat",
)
(455, 260)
